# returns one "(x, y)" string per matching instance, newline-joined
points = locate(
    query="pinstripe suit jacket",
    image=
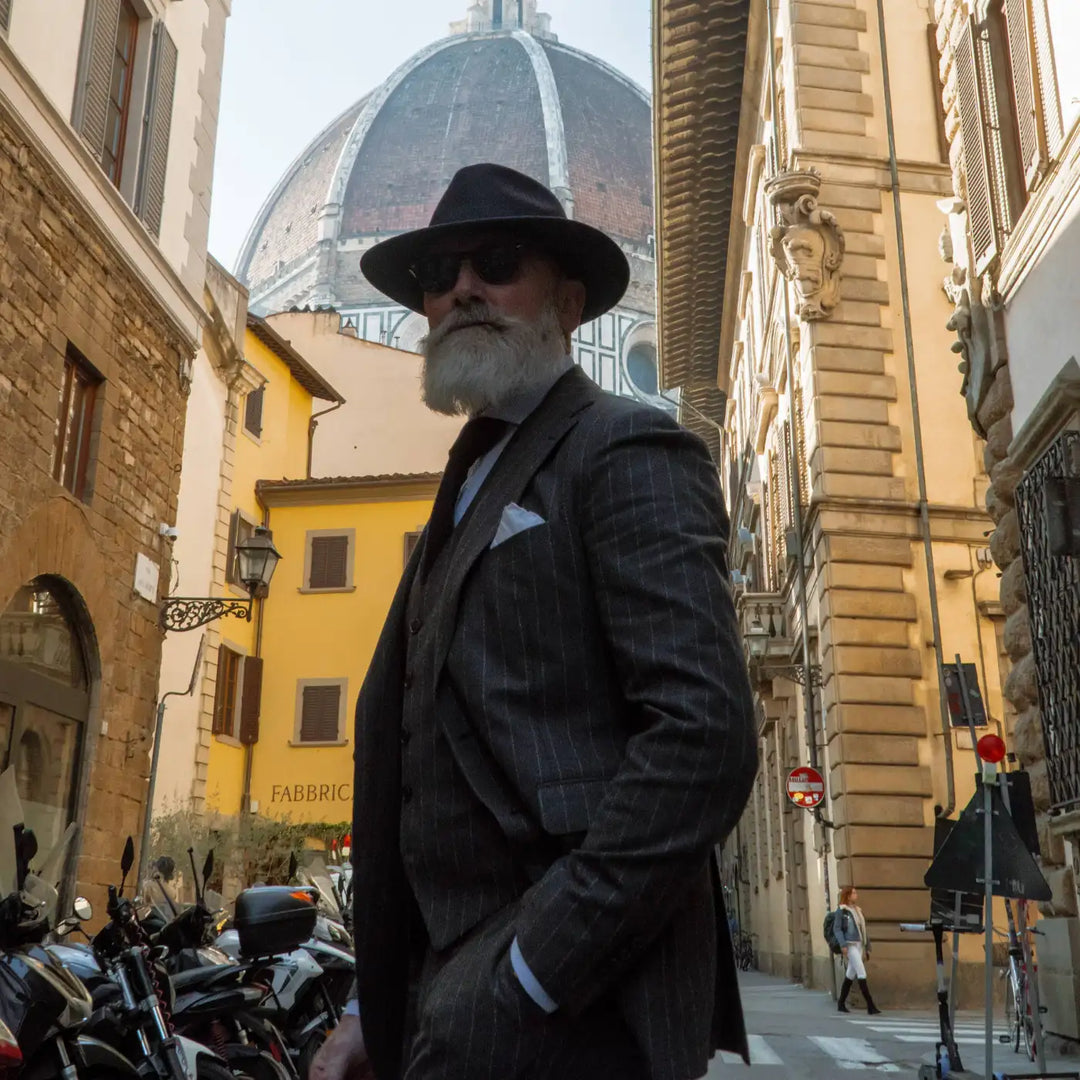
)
(596, 661)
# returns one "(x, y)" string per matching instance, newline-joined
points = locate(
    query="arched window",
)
(641, 367)
(44, 703)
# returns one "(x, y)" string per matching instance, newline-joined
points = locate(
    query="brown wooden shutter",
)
(1046, 72)
(329, 562)
(230, 555)
(1028, 127)
(980, 205)
(98, 56)
(253, 410)
(321, 711)
(5, 14)
(157, 125)
(221, 720)
(251, 700)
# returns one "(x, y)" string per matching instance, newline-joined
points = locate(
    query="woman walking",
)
(849, 929)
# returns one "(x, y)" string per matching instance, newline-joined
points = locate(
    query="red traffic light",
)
(991, 748)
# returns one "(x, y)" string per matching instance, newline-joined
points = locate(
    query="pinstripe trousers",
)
(472, 979)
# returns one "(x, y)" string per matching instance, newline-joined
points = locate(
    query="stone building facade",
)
(1011, 105)
(98, 328)
(856, 489)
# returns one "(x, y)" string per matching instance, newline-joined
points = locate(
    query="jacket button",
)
(406, 794)
(406, 735)
(416, 626)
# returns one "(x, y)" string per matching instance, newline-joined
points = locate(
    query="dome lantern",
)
(496, 16)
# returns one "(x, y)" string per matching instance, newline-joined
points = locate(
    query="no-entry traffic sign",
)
(805, 787)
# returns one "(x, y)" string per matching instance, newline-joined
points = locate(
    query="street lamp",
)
(756, 638)
(256, 561)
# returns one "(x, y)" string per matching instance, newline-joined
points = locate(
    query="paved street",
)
(798, 1033)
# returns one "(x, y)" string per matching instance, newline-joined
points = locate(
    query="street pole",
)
(988, 883)
(148, 813)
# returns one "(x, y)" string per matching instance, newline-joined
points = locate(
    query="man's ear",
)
(570, 303)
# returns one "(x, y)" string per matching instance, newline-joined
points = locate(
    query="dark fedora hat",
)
(500, 199)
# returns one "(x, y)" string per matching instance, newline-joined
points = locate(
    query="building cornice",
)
(343, 490)
(704, 120)
(120, 230)
(301, 370)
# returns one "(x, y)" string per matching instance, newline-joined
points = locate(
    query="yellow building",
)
(343, 544)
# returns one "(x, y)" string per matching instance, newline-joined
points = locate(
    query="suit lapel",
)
(524, 454)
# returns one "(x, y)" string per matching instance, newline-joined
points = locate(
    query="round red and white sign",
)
(805, 787)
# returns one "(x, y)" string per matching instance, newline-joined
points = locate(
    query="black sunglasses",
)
(494, 264)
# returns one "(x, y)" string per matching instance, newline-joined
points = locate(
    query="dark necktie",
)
(477, 437)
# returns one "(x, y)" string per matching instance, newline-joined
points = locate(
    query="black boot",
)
(871, 1008)
(845, 989)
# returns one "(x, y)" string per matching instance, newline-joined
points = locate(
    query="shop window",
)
(73, 441)
(44, 704)
(328, 562)
(253, 412)
(320, 711)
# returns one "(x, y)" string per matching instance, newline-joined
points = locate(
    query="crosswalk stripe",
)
(851, 1053)
(960, 1040)
(761, 1053)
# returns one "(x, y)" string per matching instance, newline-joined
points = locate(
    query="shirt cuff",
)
(352, 1008)
(529, 982)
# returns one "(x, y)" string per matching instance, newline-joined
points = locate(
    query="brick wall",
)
(61, 282)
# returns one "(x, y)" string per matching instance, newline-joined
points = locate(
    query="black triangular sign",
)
(958, 866)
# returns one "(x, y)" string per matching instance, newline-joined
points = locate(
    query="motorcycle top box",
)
(274, 919)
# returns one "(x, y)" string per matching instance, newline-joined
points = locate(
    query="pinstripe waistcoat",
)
(576, 694)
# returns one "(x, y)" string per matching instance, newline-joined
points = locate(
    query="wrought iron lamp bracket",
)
(189, 612)
(797, 673)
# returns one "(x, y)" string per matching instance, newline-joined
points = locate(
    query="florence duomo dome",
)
(501, 88)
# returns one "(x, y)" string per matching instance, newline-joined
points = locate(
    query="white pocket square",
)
(515, 519)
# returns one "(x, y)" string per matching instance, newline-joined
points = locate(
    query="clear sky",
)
(291, 67)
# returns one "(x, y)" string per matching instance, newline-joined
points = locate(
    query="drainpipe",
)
(313, 423)
(916, 422)
(797, 521)
(249, 749)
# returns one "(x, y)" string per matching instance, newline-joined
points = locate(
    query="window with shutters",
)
(5, 15)
(253, 412)
(1010, 115)
(328, 560)
(320, 712)
(411, 540)
(157, 124)
(241, 528)
(73, 441)
(227, 692)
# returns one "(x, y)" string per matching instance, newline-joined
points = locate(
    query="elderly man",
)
(555, 730)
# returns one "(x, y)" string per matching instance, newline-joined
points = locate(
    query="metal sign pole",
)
(988, 859)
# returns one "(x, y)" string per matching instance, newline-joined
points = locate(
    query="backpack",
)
(828, 930)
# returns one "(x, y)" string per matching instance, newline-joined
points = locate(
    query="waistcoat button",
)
(415, 626)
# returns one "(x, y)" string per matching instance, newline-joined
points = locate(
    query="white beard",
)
(469, 368)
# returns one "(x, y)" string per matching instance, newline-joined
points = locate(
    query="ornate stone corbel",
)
(809, 245)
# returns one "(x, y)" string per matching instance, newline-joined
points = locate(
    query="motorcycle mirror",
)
(127, 860)
(26, 847)
(84, 910)
(207, 868)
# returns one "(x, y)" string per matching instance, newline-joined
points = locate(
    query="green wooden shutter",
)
(98, 54)
(251, 700)
(980, 204)
(157, 128)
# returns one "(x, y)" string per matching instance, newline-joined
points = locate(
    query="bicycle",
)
(1019, 1014)
(743, 944)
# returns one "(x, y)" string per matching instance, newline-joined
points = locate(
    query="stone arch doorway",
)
(47, 670)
